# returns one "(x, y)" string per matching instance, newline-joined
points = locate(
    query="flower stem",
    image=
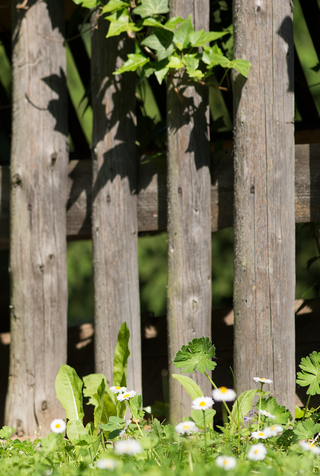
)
(205, 434)
(260, 406)
(306, 408)
(224, 403)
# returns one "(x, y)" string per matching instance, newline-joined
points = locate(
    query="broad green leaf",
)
(149, 442)
(242, 66)
(6, 432)
(109, 408)
(49, 444)
(161, 42)
(175, 62)
(121, 356)
(95, 385)
(197, 417)
(149, 8)
(310, 375)
(152, 22)
(282, 415)
(87, 3)
(119, 23)
(114, 6)
(241, 407)
(78, 434)
(213, 59)
(173, 22)
(305, 430)
(189, 385)
(182, 34)
(196, 355)
(114, 423)
(135, 407)
(192, 63)
(298, 413)
(157, 428)
(135, 60)
(69, 392)
(201, 38)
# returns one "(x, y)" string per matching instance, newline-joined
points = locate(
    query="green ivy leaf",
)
(135, 60)
(175, 62)
(282, 415)
(182, 34)
(152, 22)
(161, 42)
(196, 355)
(192, 63)
(119, 23)
(310, 375)
(242, 66)
(201, 38)
(305, 430)
(114, 6)
(212, 58)
(173, 22)
(149, 8)
(87, 3)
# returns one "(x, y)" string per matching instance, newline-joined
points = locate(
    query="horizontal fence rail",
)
(152, 193)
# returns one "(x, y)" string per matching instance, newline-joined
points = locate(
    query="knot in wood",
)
(180, 191)
(16, 181)
(41, 268)
(54, 157)
(108, 199)
(252, 189)
(29, 207)
(44, 405)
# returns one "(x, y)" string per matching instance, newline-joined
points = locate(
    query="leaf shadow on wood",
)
(58, 107)
(79, 176)
(286, 33)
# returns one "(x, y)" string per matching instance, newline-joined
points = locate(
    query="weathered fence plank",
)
(114, 205)
(264, 224)
(39, 166)
(189, 231)
(152, 194)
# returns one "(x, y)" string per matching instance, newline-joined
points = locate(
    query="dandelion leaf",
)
(197, 417)
(310, 375)
(189, 385)
(282, 415)
(196, 355)
(306, 430)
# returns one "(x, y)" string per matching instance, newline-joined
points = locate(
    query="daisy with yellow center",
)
(223, 394)
(274, 430)
(118, 389)
(186, 427)
(310, 447)
(202, 403)
(267, 414)
(57, 426)
(257, 452)
(263, 434)
(226, 462)
(262, 380)
(126, 396)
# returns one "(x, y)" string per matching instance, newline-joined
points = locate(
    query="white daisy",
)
(106, 463)
(58, 426)
(310, 447)
(267, 414)
(122, 432)
(118, 389)
(274, 429)
(128, 447)
(257, 452)
(262, 380)
(263, 434)
(226, 462)
(202, 403)
(126, 396)
(187, 427)
(223, 394)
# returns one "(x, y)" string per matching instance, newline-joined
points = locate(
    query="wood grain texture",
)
(264, 220)
(152, 193)
(39, 166)
(189, 231)
(114, 205)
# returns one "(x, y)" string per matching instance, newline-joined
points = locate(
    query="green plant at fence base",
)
(165, 47)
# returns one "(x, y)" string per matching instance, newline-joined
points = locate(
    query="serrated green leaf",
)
(196, 355)
(133, 63)
(135, 407)
(94, 388)
(173, 22)
(157, 428)
(241, 407)
(310, 375)
(149, 8)
(161, 42)
(197, 417)
(6, 432)
(69, 392)
(121, 355)
(189, 385)
(282, 415)
(201, 38)
(114, 6)
(242, 66)
(182, 34)
(114, 423)
(305, 430)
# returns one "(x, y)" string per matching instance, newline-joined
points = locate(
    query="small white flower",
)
(262, 380)
(257, 452)
(263, 434)
(274, 429)
(310, 447)
(267, 414)
(128, 447)
(118, 389)
(187, 427)
(126, 396)
(122, 432)
(202, 403)
(57, 426)
(226, 462)
(106, 463)
(223, 394)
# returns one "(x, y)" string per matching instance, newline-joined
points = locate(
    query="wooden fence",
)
(112, 197)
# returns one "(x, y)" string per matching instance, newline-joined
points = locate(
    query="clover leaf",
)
(196, 355)
(281, 414)
(310, 374)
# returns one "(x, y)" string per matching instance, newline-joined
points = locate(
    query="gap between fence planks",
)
(152, 196)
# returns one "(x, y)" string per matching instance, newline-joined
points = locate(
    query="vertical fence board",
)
(114, 205)
(39, 166)
(264, 227)
(189, 218)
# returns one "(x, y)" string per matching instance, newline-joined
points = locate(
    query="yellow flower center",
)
(262, 379)
(58, 425)
(256, 451)
(202, 404)
(186, 426)
(118, 388)
(225, 461)
(126, 395)
(223, 389)
(261, 433)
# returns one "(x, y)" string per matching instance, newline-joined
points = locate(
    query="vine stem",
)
(224, 403)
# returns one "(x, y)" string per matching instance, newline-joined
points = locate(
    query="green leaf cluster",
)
(282, 415)
(310, 373)
(196, 355)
